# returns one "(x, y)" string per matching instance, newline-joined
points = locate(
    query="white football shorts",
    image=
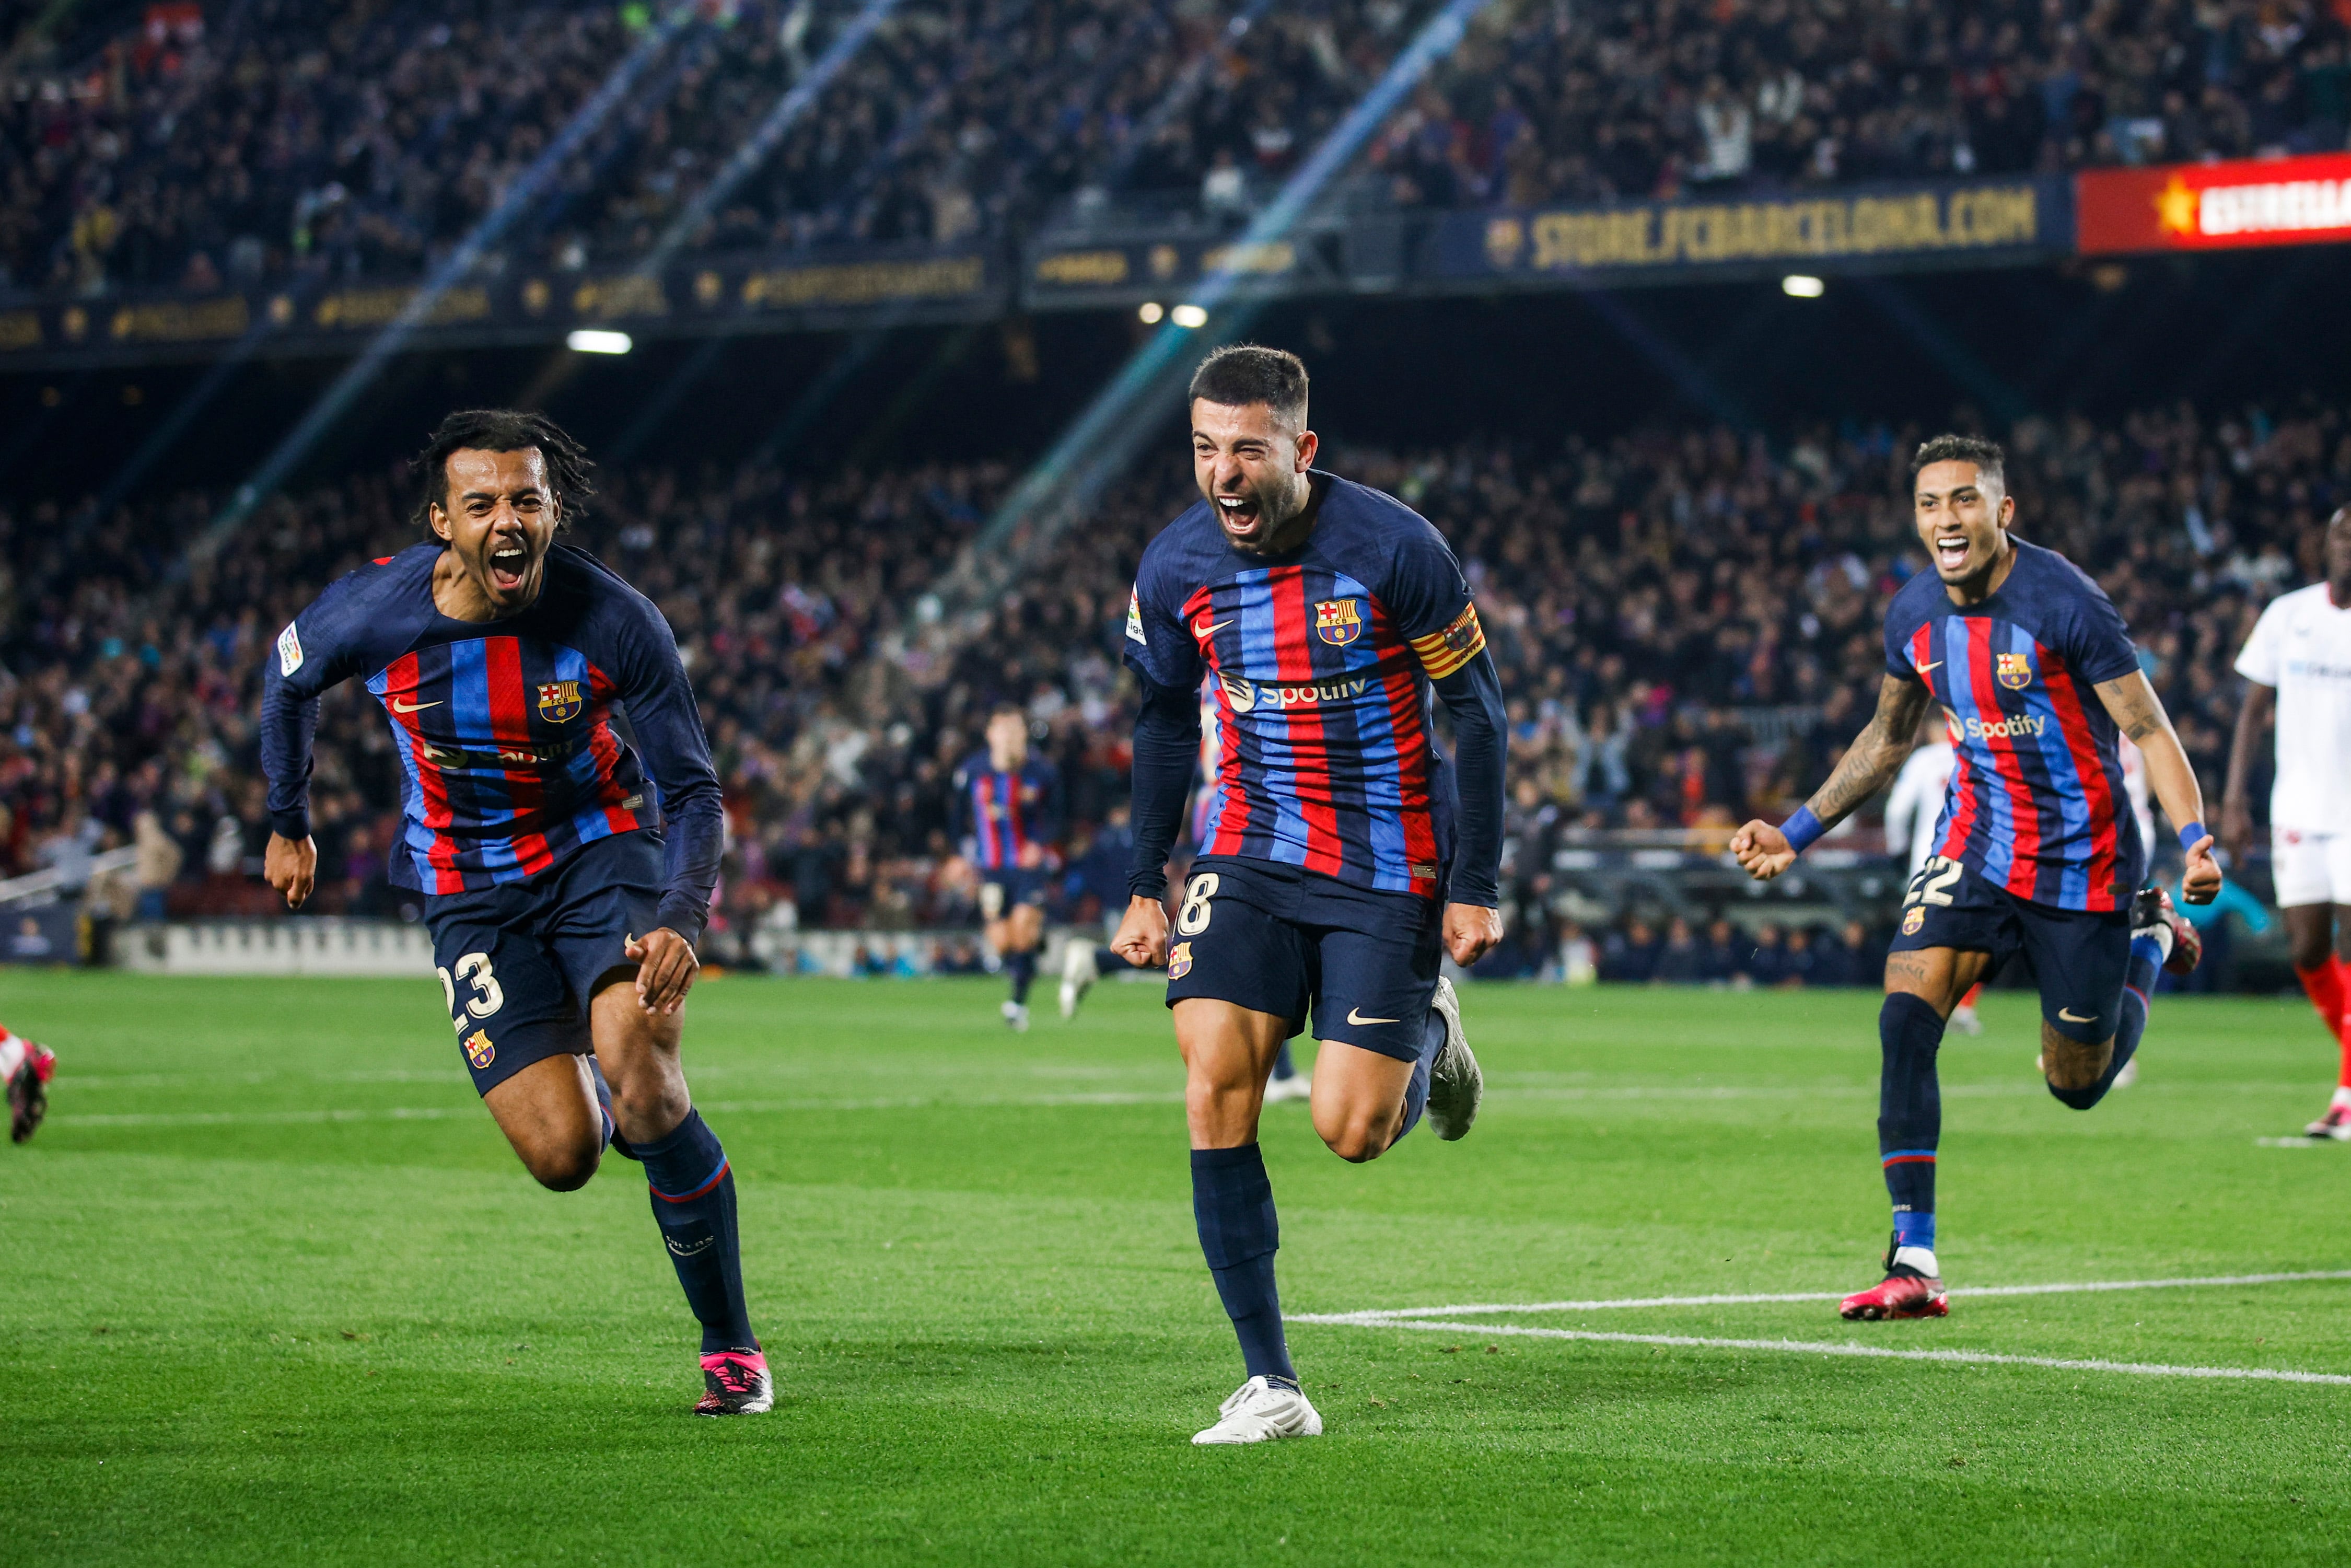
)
(2310, 867)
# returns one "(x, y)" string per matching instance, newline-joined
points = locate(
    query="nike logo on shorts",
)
(2069, 1017)
(1359, 1020)
(411, 707)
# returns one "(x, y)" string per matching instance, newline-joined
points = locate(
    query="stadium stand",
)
(187, 149)
(1686, 623)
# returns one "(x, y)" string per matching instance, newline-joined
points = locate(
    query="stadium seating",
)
(359, 140)
(1687, 626)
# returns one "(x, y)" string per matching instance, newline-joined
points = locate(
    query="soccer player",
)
(564, 892)
(2297, 667)
(25, 1068)
(1333, 877)
(2038, 853)
(1008, 808)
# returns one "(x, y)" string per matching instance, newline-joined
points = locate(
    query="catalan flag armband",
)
(1442, 652)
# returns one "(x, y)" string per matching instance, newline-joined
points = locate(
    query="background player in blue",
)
(1008, 808)
(564, 895)
(2037, 849)
(1333, 872)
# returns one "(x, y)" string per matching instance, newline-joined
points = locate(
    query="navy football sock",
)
(1415, 1090)
(2139, 985)
(1284, 1067)
(1910, 1113)
(1022, 967)
(694, 1204)
(612, 1139)
(1232, 1203)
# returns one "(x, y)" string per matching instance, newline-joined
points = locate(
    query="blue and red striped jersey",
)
(1321, 663)
(2036, 801)
(503, 728)
(999, 811)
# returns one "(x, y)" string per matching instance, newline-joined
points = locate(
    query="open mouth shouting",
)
(1242, 517)
(509, 566)
(1952, 552)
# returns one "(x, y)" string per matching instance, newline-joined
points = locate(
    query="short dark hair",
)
(504, 430)
(1242, 373)
(1991, 463)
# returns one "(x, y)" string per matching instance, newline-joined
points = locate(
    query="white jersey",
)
(1915, 807)
(2302, 647)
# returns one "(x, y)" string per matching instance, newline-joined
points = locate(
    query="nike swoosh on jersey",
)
(1205, 632)
(1933, 664)
(411, 708)
(1357, 1018)
(2071, 1017)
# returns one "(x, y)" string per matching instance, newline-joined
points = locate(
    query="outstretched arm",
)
(1869, 764)
(1482, 740)
(2138, 713)
(1166, 749)
(2236, 803)
(289, 721)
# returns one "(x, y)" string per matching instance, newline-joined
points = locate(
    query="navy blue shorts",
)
(1006, 888)
(519, 962)
(2079, 958)
(1276, 939)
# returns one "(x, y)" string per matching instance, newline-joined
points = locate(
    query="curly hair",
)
(504, 430)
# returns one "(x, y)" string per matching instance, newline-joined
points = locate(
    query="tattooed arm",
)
(1869, 764)
(2138, 713)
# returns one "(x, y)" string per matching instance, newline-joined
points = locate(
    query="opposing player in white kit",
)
(1914, 812)
(2298, 664)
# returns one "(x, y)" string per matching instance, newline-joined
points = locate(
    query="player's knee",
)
(563, 1168)
(2074, 1069)
(1353, 1133)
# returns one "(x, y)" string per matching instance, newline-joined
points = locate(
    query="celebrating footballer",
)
(564, 892)
(2037, 852)
(1340, 859)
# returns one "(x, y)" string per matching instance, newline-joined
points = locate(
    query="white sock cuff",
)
(1919, 1258)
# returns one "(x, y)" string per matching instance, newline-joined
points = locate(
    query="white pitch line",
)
(1487, 1308)
(1816, 1347)
(739, 1107)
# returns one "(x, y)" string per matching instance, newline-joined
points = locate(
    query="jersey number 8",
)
(474, 970)
(1194, 916)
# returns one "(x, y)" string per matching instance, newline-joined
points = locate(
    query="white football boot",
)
(1455, 1083)
(1297, 1086)
(1078, 975)
(1260, 1411)
(1015, 1016)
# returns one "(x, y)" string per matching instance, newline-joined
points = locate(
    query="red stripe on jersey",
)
(1310, 745)
(2024, 864)
(1232, 806)
(400, 679)
(2105, 835)
(510, 726)
(607, 752)
(1407, 724)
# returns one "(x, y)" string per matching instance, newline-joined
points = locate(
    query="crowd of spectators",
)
(1688, 625)
(194, 147)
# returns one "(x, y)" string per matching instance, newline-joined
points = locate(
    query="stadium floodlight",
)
(1151, 312)
(1191, 318)
(597, 340)
(1798, 286)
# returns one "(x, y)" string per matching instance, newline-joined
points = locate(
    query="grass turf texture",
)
(275, 1289)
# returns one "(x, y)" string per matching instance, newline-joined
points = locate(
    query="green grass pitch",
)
(273, 1289)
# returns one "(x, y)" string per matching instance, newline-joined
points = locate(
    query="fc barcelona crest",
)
(1913, 919)
(1338, 622)
(479, 1051)
(2014, 671)
(1179, 961)
(559, 701)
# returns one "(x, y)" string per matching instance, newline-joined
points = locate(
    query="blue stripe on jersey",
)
(469, 705)
(1383, 786)
(1277, 759)
(2072, 798)
(588, 820)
